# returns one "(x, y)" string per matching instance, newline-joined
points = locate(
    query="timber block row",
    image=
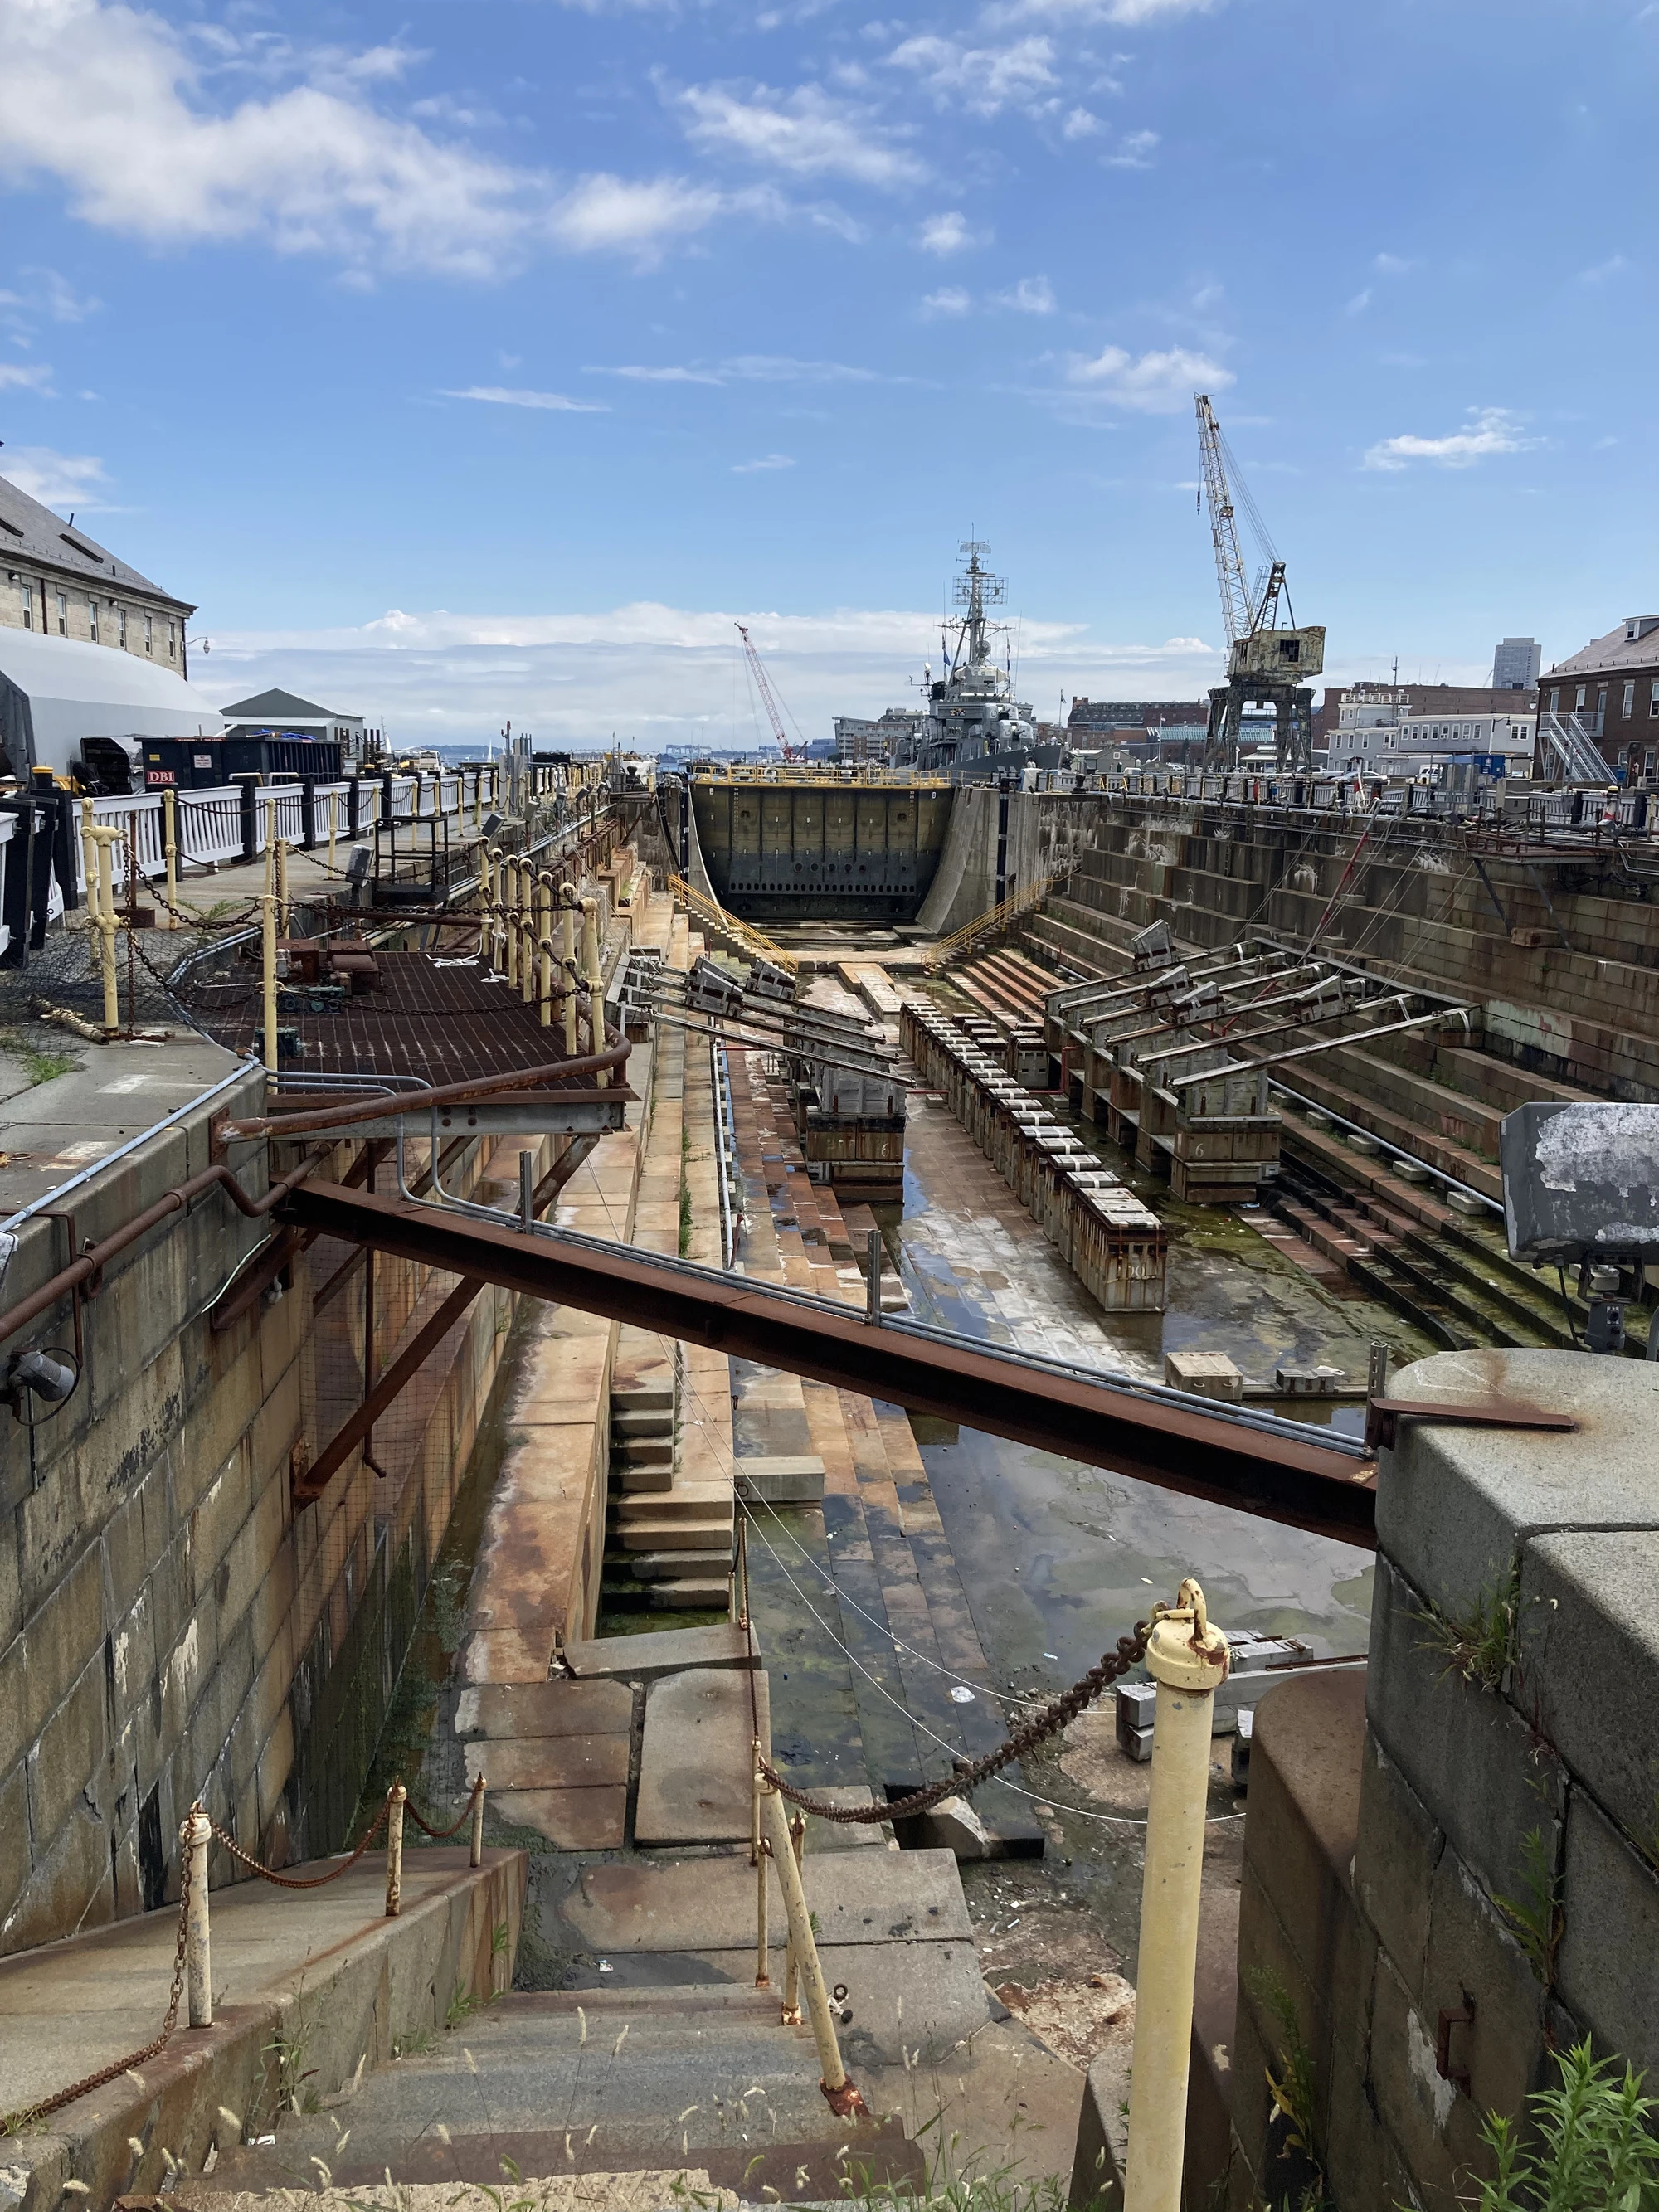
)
(1117, 1247)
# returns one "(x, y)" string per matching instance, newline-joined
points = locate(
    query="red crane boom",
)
(768, 698)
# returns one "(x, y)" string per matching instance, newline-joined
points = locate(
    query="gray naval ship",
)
(974, 729)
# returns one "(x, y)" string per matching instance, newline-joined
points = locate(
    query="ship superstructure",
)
(973, 727)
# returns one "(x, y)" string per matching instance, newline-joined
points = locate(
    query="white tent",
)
(56, 690)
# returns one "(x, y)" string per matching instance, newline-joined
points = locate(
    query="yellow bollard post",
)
(510, 919)
(477, 1821)
(791, 2016)
(268, 976)
(333, 826)
(593, 977)
(544, 948)
(837, 2085)
(569, 972)
(1188, 1660)
(763, 1940)
(194, 1835)
(397, 1797)
(284, 910)
(105, 841)
(170, 850)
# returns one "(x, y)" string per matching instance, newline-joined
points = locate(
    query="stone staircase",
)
(668, 1533)
(659, 2057)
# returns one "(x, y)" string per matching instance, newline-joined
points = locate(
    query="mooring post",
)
(195, 1832)
(1188, 1660)
(396, 1798)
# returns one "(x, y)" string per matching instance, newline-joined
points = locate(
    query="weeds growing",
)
(1483, 1648)
(1590, 2146)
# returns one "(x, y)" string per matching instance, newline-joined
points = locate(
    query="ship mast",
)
(977, 590)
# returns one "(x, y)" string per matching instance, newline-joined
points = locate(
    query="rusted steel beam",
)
(315, 1481)
(1267, 1469)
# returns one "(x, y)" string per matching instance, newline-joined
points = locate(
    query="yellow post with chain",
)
(397, 1797)
(476, 1854)
(1188, 1659)
(170, 852)
(763, 1940)
(837, 2085)
(195, 1834)
(792, 1964)
(268, 968)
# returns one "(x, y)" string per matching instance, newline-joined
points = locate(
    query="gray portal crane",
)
(1265, 661)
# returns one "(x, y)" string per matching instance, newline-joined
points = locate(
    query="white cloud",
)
(1133, 151)
(1614, 266)
(1032, 296)
(656, 673)
(114, 103)
(1080, 124)
(1391, 264)
(1081, 12)
(983, 79)
(804, 132)
(946, 233)
(58, 480)
(949, 300)
(751, 368)
(607, 213)
(1359, 302)
(1490, 430)
(767, 461)
(19, 376)
(673, 374)
(555, 401)
(1154, 383)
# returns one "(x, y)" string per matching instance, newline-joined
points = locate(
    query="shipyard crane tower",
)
(1265, 662)
(768, 698)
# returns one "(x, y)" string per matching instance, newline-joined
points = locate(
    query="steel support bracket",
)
(1383, 1415)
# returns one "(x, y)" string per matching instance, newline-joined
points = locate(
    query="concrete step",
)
(780, 1479)
(655, 1479)
(651, 1423)
(667, 1564)
(644, 1451)
(642, 1398)
(668, 1651)
(694, 1501)
(690, 2072)
(686, 1535)
(690, 1593)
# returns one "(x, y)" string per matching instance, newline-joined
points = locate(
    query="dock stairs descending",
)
(669, 1532)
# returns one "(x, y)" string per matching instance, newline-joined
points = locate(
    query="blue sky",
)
(486, 360)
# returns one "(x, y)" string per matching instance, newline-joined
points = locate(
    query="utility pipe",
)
(1188, 1660)
(92, 1262)
(837, 2086)
(194, 1834)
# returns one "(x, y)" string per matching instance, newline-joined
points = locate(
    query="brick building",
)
(1611, 686)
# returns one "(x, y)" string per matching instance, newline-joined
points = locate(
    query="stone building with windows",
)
(61, 583)
(89, 647)
(1612, 687)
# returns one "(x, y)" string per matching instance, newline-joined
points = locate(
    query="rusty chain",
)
(309, 1882)
(442, 1835)
(13, 2123)
(1053, 1716)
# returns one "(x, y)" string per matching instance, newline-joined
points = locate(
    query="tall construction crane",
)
(1266, 662)
(769, 698)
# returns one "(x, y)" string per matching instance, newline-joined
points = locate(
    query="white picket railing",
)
(209, 824)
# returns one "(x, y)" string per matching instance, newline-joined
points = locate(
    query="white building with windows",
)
(1377, 737)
